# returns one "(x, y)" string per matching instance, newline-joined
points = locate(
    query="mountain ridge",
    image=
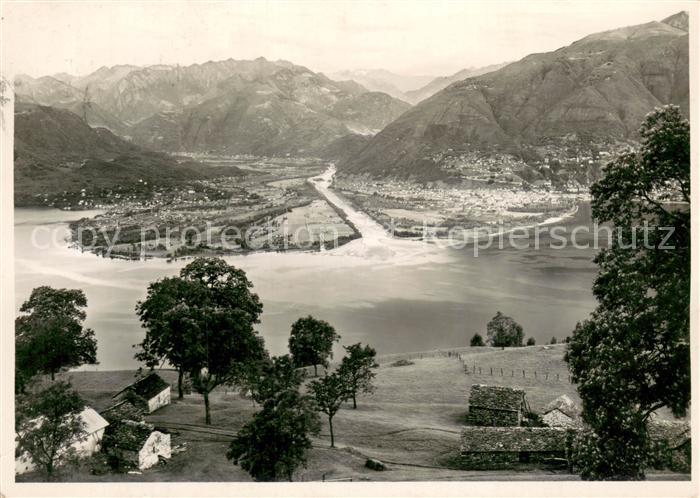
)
(598, 88)
(225, 106)
(56, 153)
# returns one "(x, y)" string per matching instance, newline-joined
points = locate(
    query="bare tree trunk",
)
(354, 401)
(315, 370)
(207, 414)
(330, 425)
(180, 374)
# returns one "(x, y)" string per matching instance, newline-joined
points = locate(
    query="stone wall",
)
(501, 460)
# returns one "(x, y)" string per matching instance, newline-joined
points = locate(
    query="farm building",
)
(672, 440)
(123, 410)
(503, 447)
(149, 393)
(496, 406)
(131, 444)
(94, 426)
(562, 412)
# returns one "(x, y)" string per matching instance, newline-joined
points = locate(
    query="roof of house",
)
(564, 404)
(496, 397)
(123, 410)
(93, 421)
(512, 439)
(128, 435)
(674, 434)
(147, 387)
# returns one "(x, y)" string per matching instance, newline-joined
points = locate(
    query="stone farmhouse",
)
(94, 427)
(562, 412)
(129, 442)
(496, 406)
(503, 447)
(148, 393)
(132, 444)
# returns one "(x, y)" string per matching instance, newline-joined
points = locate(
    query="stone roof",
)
(512, 439)
(675, 434)
(128, 435)
(496, 397)
(564, 404)
(147, 387)
(124, 410)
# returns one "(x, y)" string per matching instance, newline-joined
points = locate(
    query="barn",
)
(94, 426)
(149, 393)
(496, 406)
(504, 447)
(131, 444)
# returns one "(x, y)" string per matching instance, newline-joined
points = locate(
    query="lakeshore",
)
(280, 207)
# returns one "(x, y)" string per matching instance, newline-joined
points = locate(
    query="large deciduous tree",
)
(632, 356)
(50, 336)
(48, 423)
(502, 331)
(275, 375)
(311, 342)
(275, 442)
(207, 328)
(356, 370)
(171, 328)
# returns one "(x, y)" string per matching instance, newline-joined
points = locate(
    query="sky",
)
(407, 37)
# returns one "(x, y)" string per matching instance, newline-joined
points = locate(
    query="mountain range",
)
(256, 107)
(380, 80)
(424, 92)
(597, 89)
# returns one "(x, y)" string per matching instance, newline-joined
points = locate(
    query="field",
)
(411, 422)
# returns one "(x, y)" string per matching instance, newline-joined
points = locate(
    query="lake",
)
(394, 294)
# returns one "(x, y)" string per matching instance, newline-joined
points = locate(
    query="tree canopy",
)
(275, 375)
(502, 331)
(632, 356)
(311, 342)
(50, 336)
(166, 314)
(274, 443)
(203, 323)
(477, 340)
(48, 423)
(356, 370)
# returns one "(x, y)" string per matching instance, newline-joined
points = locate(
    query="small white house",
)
(157, 445)
(562, 412)
(94, 426)
(151, 392)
